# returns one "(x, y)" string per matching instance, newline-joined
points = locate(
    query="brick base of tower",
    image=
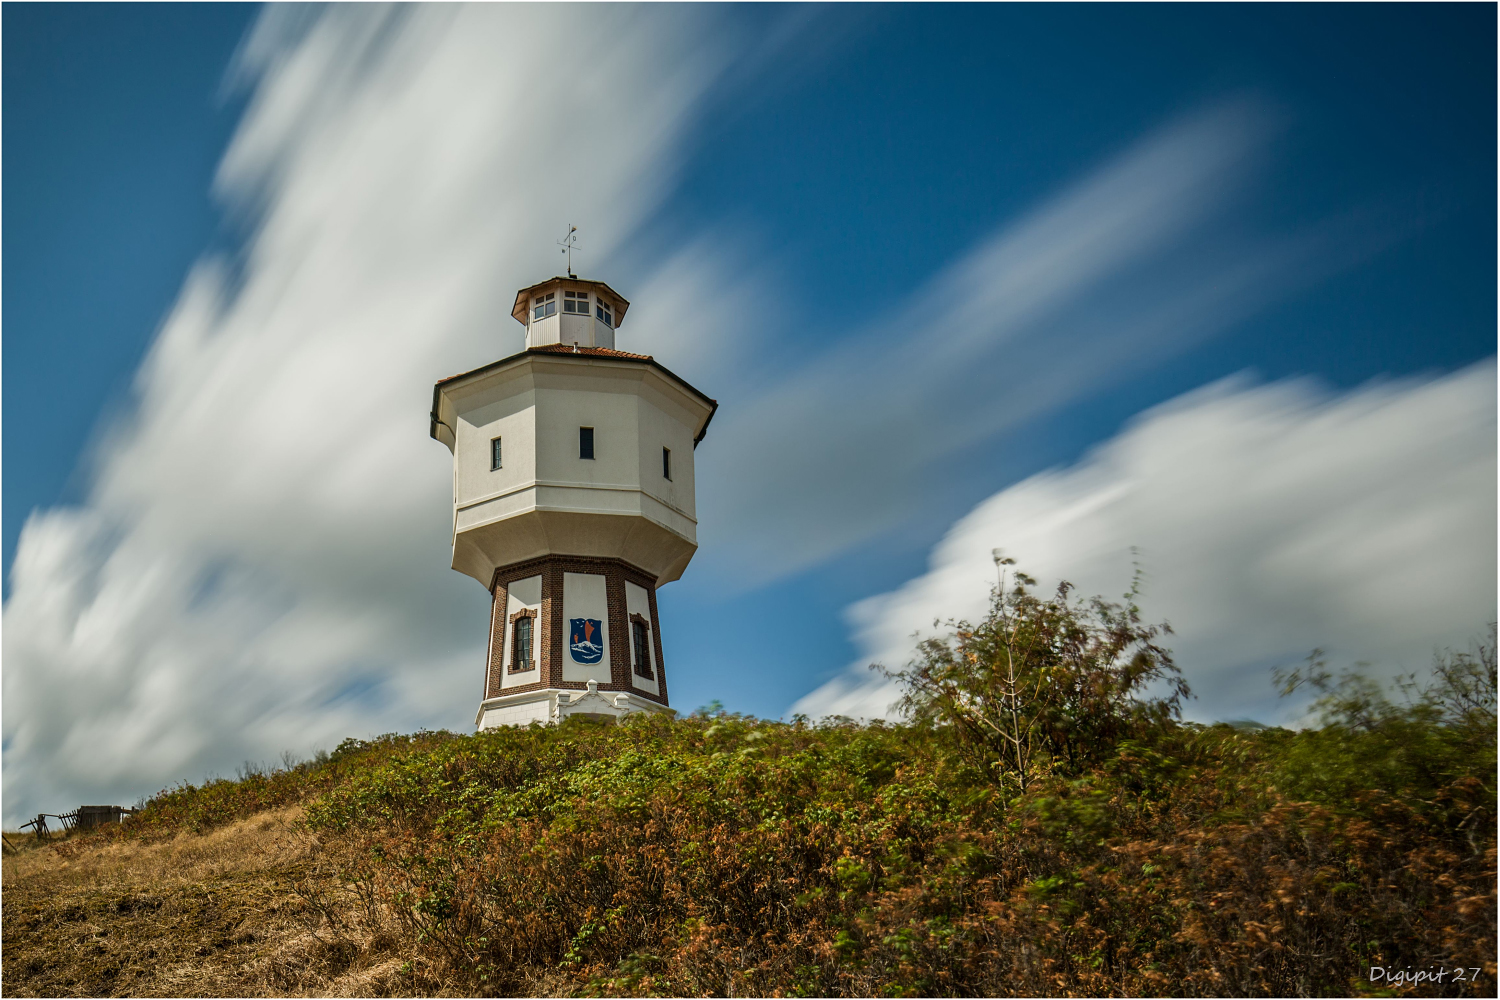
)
(571, 635)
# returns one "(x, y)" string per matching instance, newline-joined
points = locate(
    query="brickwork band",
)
(552, 651)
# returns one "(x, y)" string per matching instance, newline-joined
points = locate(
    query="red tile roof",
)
(584, 352)
(593, 352)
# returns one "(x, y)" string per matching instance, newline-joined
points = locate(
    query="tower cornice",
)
(441, 429)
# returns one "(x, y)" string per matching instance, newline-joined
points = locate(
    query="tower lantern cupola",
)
(570, 311)
(573, 501)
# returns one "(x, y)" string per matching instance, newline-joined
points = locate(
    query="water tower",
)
(572, 504)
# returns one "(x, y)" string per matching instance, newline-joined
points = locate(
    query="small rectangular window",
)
(585, 442)
(494, 453)
(543, 306)
(576, 302)
(604, 312)
(666, 463)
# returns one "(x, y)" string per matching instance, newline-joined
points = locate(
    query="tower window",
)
(640, 639)
(604, 312)
(666, 461)
(585, 442)
(520, 643)
(494, 454)
(543, 306)
(576, 302)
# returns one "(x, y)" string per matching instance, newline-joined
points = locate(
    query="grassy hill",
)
(731, 856)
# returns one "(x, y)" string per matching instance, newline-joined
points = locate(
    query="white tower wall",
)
(545, 498)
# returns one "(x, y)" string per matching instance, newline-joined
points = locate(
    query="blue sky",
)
(1314, 208)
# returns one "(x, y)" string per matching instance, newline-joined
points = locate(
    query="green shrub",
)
(1044, 684)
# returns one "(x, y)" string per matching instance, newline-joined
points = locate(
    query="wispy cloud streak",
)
(1115, 274)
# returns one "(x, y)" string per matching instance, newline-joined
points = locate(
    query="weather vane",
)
(569, 244)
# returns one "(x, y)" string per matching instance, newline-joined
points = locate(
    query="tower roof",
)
(523, 297)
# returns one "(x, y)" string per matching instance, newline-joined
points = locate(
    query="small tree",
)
(1044, 682)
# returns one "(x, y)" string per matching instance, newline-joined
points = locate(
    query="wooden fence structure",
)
(82, 818)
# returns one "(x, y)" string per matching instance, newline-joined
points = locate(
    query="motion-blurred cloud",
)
(261, 563)
(1270, 520)
(852, 437)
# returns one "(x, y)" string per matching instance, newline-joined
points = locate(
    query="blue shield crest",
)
(586, 640)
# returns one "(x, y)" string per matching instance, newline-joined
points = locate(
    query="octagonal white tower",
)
(573, 502)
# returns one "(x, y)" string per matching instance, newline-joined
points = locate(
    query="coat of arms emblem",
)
(586, 643)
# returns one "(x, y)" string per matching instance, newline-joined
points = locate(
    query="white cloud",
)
(262, 562)
(1270, 520)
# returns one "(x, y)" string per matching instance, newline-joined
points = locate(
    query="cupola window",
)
(603, 311)
(576, 302)
(543, 306)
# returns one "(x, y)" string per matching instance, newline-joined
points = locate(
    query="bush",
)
(1433, 748)
(1044, 684)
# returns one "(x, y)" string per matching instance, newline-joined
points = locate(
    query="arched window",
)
(640, 636)
(520, 641)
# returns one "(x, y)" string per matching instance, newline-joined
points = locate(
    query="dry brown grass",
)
(253, 908)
